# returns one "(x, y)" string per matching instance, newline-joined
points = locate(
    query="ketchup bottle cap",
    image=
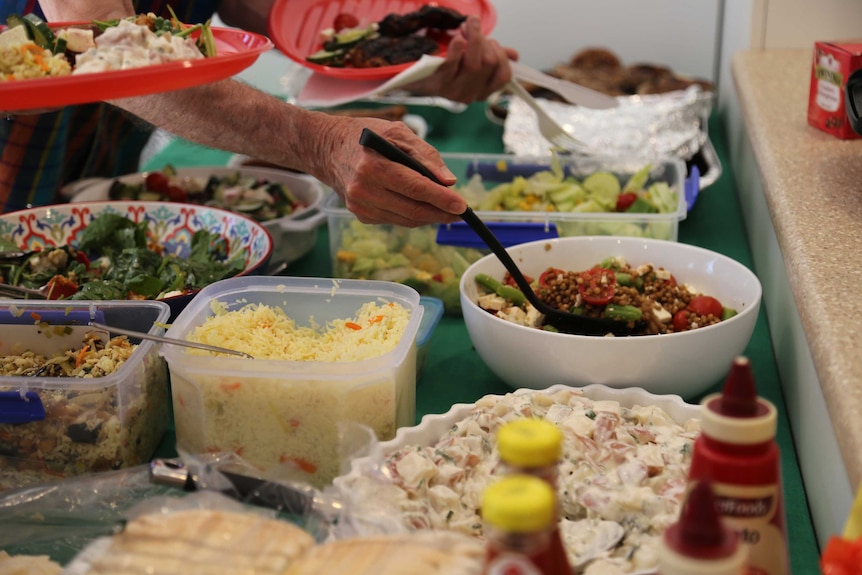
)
(699, 533)
(739, 397)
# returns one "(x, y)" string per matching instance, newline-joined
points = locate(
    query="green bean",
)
(623, 312)
(727, 313)
(487, 281)
(512, 294)
(624, 279)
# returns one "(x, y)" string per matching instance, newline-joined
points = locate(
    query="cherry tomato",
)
(81, 257)
(598, 286)
(672, 281)
(510, 281)
(705, 305)
(345, 20)
(60, 286)
(680, 320)
(176, 194)
(549, 273)
(624, 201)
(157, 182)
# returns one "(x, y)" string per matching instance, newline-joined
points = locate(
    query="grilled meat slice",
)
(386, 51)
(436, 17)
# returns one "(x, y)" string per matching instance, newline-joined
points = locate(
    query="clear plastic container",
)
(432, 258)
(286, 416)
(53, 427)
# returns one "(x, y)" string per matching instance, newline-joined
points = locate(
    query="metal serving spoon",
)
(170, 340)
(564, 321)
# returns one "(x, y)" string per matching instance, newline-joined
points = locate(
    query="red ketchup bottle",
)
(736, 451)
(519, 513)
(533, 446)
(699, 543)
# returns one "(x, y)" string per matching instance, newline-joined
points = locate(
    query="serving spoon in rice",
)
(563, 321)
(169, 340)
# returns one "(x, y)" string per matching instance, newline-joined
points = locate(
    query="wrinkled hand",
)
(379, 191)
(475, 67)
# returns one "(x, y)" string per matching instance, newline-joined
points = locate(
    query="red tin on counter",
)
(832, 64)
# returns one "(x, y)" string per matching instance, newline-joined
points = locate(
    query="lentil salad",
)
(647, 297)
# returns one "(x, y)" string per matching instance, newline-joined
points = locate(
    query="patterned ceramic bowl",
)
(170, 225)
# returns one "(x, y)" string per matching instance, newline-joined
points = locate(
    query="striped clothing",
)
(39, 153)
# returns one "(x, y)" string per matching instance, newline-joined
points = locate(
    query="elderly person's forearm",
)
(235, 117)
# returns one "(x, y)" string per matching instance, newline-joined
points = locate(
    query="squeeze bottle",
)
(519, 513)
(699, 543)
(736, 451)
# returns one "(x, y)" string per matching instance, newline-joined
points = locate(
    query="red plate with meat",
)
(236, 51)
(295, 26)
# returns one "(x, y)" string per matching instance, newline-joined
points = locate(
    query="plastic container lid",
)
(430, 318)
(530, 443)
(519, 504)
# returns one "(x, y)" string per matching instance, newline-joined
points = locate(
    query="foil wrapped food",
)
(642, 127)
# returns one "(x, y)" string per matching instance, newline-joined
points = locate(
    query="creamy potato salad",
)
(130, 45)
(622, 475)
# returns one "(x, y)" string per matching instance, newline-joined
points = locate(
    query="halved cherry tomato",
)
(705, 305)
(549, 273)
(680, 320)
(510, 281)
(345, 20)
(60, 286)
(157, 182)
(176, 194)
(81, 257)
(597, 286)
(672, 281)
(624, 201)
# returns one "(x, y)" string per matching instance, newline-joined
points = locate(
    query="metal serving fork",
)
(569, 91)
(550, 129)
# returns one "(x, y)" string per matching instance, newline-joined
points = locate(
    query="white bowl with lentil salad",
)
(694, 310)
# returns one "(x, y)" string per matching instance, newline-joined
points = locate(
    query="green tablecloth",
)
(715, 223)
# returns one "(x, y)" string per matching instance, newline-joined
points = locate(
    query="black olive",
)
(82, 433)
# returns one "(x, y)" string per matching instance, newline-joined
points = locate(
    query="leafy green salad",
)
(115, 259)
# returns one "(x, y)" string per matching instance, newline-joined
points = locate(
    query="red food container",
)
(832, 64)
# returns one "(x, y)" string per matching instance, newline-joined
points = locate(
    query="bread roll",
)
(419, 553)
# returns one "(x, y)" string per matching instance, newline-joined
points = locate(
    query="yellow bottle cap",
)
(530, 443)
(519, 504)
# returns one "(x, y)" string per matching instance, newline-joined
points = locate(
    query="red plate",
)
(236, 50)
(295, 25)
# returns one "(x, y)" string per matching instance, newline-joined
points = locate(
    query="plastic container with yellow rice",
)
(326, 353)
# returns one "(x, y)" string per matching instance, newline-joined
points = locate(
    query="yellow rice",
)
(27, 60)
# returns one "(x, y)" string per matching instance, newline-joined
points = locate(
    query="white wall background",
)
(679, 33)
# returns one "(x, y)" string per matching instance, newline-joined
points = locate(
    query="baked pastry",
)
(419, 553)
(202, 542)
(28, 565)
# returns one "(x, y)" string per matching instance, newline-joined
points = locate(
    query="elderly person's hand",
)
(377, 190)
(475, 67)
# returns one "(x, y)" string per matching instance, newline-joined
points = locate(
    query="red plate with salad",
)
(298, 28)
(235, 50)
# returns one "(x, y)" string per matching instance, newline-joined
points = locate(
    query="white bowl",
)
(293, 235)
(685, 363)
(372, 508)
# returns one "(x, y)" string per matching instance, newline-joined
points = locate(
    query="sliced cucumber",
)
(327, 57)
(150, 196)
(39, 31)
(248, 207)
